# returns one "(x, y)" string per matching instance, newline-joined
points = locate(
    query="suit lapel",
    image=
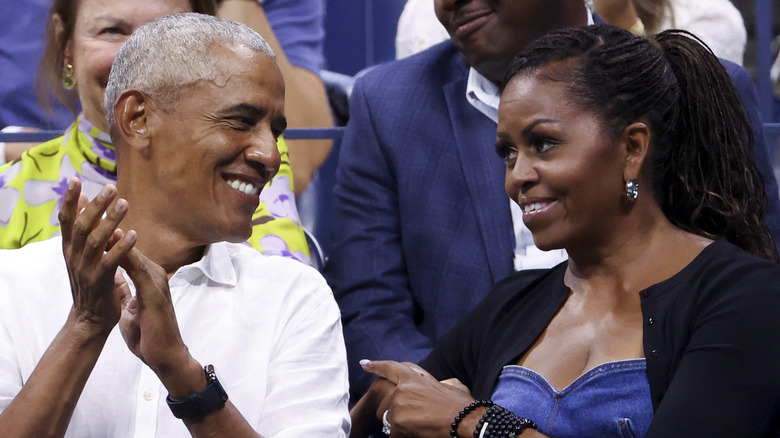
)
(483, 173)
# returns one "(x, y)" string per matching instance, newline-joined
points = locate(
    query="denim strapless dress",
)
(611, 400)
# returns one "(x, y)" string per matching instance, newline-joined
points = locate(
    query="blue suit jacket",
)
(422, 228)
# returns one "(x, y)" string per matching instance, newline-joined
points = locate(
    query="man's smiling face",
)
(215, 148)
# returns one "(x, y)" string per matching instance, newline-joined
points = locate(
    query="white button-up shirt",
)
(270, 327)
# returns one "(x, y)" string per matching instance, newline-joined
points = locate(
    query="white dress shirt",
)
(269, 325)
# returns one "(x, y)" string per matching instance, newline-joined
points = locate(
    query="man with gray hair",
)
(194, 105)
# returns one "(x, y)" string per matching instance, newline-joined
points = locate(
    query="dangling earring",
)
(632, 189)
(68, 81)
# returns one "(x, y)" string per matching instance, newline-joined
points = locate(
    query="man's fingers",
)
(88, 219)
(146, 274)
(120, 248)
(136, 263)
(121, 289)
(82, 202)
(70, 208)
(103, 237)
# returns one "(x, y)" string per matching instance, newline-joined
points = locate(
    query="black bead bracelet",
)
(474, 405)
(501, 423)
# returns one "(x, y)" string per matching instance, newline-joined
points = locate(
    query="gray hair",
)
(164, 55)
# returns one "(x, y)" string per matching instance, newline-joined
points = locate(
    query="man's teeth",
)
(529, 208)
(247, 188)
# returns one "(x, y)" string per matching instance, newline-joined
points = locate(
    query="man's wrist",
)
(211, 399)
(184, 380)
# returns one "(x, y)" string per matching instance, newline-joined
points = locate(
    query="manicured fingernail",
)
(129, 236)
(120, 204)
(364, 362)
(71, 183)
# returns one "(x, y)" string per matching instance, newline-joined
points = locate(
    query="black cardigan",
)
(711, 339)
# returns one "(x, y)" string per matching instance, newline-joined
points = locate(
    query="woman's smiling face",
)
(564, 169)
(101, 27)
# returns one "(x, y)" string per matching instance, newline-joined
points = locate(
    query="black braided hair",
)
(704, 172)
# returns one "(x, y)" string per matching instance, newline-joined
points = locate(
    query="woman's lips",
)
(532, 211)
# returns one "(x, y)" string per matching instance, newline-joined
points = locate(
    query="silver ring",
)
(385, 424)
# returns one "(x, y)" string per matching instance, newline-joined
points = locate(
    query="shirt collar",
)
(483, 94)
(216, 264)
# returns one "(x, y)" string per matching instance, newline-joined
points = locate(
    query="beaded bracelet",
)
(478, 431)
(500, 423)
(474, 405)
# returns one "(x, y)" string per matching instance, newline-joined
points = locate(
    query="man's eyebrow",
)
(244, 108)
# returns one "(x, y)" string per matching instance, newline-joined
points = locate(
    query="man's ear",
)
(636, 138)
(132, 119)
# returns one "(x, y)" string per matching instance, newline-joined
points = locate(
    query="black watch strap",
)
(201, 403)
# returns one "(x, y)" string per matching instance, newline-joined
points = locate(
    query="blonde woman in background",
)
(717, 22)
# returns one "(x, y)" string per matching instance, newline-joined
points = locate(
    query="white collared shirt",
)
(269, 325)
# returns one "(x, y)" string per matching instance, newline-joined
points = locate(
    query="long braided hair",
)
(704, 172)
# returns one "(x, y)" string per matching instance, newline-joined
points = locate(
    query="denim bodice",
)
(611, 400)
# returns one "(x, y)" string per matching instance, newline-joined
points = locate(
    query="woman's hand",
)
(418, 405)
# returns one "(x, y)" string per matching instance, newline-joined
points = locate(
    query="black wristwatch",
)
(201, 403)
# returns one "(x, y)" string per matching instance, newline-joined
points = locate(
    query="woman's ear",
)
(636, 138)
(59, 30)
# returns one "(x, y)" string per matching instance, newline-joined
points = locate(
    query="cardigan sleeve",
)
(725, 382)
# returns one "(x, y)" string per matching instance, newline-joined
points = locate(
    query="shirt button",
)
(148, 396)
(655, 353)
(651, 321)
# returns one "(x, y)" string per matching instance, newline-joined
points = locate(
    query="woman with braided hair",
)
(631, 153)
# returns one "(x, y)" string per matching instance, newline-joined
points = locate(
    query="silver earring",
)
(632, 189)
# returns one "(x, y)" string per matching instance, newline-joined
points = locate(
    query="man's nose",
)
(263, 151)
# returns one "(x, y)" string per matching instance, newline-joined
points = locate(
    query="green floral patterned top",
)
(32, 188)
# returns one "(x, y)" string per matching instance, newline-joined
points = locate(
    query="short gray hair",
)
(170, 52)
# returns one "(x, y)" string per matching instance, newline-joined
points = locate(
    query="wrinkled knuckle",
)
(63, 218)
(93, 242)
(142, 266)
(80, 230)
